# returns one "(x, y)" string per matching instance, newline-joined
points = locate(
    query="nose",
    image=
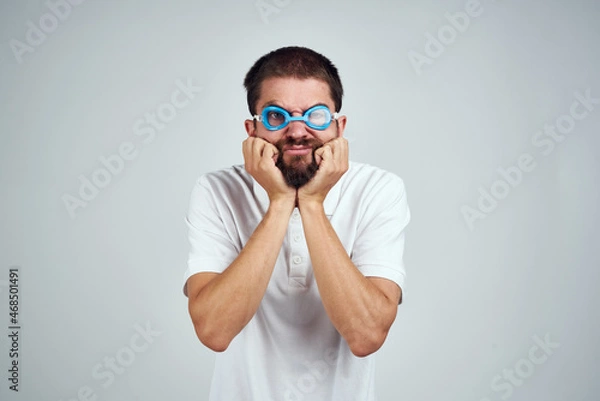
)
(297, 129)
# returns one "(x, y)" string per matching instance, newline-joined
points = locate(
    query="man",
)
(295, 270)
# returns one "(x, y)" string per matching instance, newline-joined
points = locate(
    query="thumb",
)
(319, 155)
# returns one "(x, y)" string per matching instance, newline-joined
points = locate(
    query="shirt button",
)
(297, 238)
(297, 260)
(296, 215)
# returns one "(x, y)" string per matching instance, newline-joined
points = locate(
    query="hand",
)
(260, 157)
(332, 159)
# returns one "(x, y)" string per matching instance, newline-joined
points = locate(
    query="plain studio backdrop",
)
(489, 111)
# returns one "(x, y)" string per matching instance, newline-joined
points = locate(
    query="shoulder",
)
(233, 174)
(224, 186)
(226, 178)
(366, 177)
(375, 194)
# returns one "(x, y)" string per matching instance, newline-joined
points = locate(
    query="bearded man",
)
(295, 271)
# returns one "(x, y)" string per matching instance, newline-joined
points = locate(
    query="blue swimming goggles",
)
(275, 118)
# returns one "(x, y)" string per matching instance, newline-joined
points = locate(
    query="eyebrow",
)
(276, 103)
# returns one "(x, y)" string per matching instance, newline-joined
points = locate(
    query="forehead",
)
(293, 93)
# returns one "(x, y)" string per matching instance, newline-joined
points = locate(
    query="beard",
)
(297, 172)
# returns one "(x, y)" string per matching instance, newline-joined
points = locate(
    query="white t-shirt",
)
(290, 350)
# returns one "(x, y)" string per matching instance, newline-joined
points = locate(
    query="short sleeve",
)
(379, 247)
(211, 248)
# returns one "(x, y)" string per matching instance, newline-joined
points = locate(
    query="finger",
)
(270, 152)
(340, 150)
(247, 150)
(325, 154)
(318, 159)
(319, 155)
(336, 143)
(257, 146)
(247, 143)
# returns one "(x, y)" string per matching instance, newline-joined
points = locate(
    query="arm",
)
(220, 305)
(361, 308)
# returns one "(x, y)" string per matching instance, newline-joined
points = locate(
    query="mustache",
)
(313, 143)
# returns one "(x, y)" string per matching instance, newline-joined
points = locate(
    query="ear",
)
(250, 126)
(341, 125)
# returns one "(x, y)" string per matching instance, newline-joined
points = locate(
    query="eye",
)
(275, 116)
(319, 117)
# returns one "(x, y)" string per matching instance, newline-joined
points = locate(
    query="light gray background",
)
(476, 296)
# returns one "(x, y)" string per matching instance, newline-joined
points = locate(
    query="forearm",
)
(227, 303)
(358, 309)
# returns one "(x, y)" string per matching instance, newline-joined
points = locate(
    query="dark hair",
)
(297, 62)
